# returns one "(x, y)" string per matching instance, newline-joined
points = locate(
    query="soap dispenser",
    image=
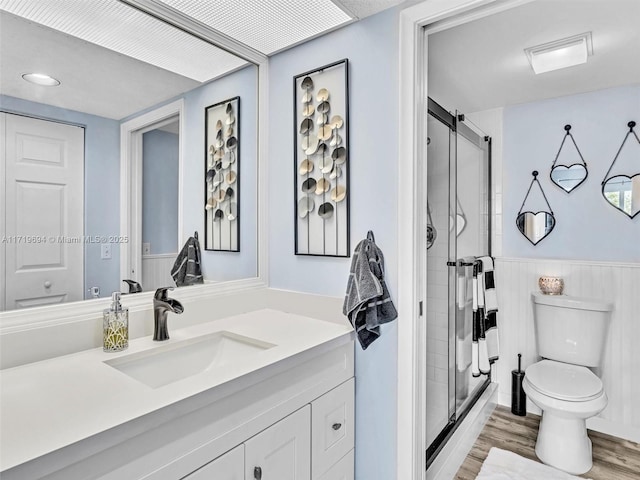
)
(115, 326)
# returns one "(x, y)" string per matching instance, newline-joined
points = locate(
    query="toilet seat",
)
(564, 381)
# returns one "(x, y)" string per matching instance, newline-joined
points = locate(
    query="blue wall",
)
(102, 185)
(243, 83)
(160, 191)
(371, 45)
(587, 227)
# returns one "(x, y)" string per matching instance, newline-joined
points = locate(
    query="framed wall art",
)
(321, 136)
(222, 176)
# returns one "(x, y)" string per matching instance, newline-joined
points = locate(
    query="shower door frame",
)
(412, 215)
(455, 124)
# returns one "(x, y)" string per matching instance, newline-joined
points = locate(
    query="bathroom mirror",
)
(569, 169)
(568, 178)
(535, 226)
(101, 90)
(622, 191)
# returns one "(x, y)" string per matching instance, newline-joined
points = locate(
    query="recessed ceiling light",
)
(563, 53)
(41, 79)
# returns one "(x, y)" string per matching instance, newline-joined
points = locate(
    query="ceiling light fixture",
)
(41, 79)
(563, 53)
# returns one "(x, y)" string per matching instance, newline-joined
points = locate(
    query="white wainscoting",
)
(156, 271)
(618, 283)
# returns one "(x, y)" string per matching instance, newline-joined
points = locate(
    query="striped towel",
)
(485, 346)
(367, 302)
(186, 269)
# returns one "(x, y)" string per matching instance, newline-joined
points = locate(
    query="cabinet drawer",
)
(343, 470)
(229, 466)
(332, 427)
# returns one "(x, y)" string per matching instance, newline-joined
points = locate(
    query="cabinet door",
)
(282, 451)
(229, 466)
(343, 470)
(332, 427)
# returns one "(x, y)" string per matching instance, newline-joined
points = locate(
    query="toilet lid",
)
(564, 381)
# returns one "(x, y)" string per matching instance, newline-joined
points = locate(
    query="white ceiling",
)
(266, 26)
(118, 27)
(482, 64)
(94, 47)
(94, 79)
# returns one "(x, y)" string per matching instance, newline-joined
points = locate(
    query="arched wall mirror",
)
(109, 165)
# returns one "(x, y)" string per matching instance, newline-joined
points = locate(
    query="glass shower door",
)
(458, 172)
(441, 142)
(471, 223)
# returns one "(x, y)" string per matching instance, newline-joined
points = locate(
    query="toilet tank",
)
(571, 329)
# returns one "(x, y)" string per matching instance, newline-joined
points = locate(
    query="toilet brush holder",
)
(518, 397)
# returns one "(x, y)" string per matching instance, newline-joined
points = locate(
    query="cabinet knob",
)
(336, 426)
(47, 284)
(257, 473)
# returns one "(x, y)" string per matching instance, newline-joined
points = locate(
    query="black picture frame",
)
(334, 241)
(222, 221)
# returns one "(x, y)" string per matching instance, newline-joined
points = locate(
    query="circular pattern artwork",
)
(321, 162)
(222, 176)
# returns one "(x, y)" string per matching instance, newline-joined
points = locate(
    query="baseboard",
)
(453, 454)
(620, 430)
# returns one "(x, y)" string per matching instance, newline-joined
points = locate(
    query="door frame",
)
(131, 156)
(412, 215)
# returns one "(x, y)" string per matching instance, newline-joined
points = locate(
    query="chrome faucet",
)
(162, 305)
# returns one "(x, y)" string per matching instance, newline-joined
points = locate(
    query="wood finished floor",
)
(613, 458)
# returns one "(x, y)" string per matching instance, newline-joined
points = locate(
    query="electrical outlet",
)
(105, 251)
(146, 249)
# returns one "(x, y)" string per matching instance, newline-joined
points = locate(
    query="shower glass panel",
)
(472, 226)
(440, 144)
(458, 227)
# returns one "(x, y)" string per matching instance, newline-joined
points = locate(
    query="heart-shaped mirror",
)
(623, 192)
(573, 171)
(535, 226)
(568, 178)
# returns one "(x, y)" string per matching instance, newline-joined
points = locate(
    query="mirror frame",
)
(88, 310)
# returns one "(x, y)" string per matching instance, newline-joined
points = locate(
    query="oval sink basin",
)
(176, 361)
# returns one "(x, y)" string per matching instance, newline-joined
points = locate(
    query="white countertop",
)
(47, 405)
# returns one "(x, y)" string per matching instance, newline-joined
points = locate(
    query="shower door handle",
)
(460, 263)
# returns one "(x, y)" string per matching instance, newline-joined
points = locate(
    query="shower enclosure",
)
(458, 230)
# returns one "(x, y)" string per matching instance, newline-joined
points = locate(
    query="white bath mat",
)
(503, 465)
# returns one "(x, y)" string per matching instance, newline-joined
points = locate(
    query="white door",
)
(44, 207)
(282, 451)
(229, 466)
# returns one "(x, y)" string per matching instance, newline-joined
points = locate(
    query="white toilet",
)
(571, 334)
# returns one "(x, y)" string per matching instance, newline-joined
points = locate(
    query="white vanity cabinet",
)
(314, 443)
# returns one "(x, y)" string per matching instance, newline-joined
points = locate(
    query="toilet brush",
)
(518, 397)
